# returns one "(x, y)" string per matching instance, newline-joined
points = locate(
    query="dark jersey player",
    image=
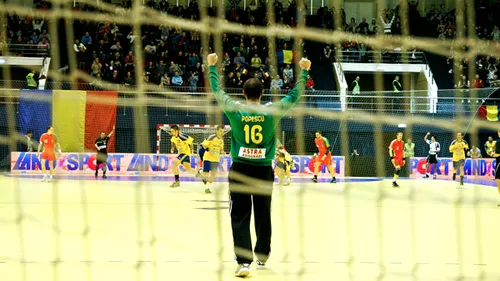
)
(101, 144)
(495, 152)
(396, 153)
(253, 146)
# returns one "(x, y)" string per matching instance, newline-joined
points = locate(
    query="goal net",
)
(378, 68)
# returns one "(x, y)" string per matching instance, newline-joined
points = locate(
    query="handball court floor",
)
(129, 229)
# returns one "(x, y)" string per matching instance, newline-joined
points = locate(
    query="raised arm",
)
(294, 95)
(112, 132)
(228, 104)
(426, 135)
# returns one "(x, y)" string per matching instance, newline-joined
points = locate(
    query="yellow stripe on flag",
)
(492, 113)
(68, 119)
(287, 56)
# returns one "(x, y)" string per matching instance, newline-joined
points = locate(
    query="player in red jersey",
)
(49, 141)
(397, 156)
(324, 157)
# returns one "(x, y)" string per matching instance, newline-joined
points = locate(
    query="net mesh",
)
(353, 231)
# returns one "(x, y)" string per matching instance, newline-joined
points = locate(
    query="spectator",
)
(276, 83)
(288, 72)
(193, 82)
(129, 61)
(28, 142)
(32, 80)
(87, 39)
(176, 79)
(309, 83)
(328, 53)
(80, 51)
(239, 59)
(256, 61)
(165, 81)
(96, 67)
(129, 80)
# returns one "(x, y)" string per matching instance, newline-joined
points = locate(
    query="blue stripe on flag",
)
(35, 112)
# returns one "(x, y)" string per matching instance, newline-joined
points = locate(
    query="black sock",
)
(461, 178)
(104, 173)
(454, 174)
(315, 176)
(176, 177)
(333, 177)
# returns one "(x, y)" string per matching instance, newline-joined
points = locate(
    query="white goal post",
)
(197, 131)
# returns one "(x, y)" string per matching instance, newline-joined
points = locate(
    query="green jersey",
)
(253, 139)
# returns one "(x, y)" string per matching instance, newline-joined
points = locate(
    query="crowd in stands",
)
(172, 56)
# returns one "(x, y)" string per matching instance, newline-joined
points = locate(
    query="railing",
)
(382, 57)
(25, 50)
(450, 103)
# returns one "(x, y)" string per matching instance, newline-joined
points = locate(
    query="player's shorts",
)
(184, 158)
(101, 158)
(432, 159)
(201, 153)
(458, 164)
(210, 166)
(51, 156)
(398, 161)
(327, 161)
(281, 165)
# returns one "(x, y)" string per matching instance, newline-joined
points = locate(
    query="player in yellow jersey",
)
(490, 146)
(184, 145)
(496, 153)
(284, 163)
(458, 147)
(213, 147)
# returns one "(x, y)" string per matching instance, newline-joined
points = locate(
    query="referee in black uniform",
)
(101, 144)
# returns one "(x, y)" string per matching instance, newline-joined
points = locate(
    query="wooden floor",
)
(134, 230)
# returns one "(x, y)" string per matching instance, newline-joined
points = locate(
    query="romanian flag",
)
(489, 112)
(78, 117)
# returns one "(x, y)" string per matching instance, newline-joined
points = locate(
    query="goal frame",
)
(160, 127)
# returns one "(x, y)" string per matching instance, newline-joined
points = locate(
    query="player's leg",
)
(397, 168)
(175, 169)
(328, 163)
(462, 163)
(497, 178)
(186, 163)
(280, 172)
(240, 209)
(288, 173)
(317, 165)
(427, 166)
(208, 169)
(262, 212)
(43, 162)
(51, 157)
(104, 167)
(455, 167)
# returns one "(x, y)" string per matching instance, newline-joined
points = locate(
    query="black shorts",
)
(101, 158)
(262, 173)
(458, 164)
(432, 159)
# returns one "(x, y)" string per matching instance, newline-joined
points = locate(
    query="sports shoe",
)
(104, 177)
(261, 265)
(208, 191)
(198, 174)
(243, 270)
(426, 176)
(334, 180)
(395, 184)
(175, 184)
(434, 177)
(49, 179)
(314, 180)
(44, 178)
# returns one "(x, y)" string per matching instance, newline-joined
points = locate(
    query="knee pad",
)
(397, 171)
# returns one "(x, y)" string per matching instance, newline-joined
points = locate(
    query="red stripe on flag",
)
(100, 115)
(482, 113)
